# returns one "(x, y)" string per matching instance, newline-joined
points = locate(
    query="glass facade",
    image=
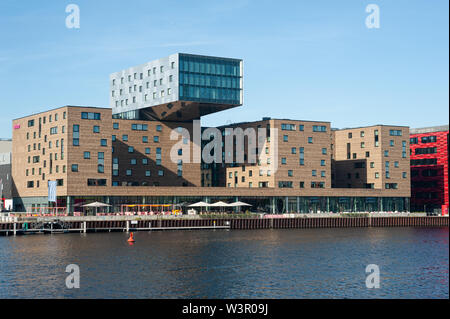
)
(269, 204)
(210, 79)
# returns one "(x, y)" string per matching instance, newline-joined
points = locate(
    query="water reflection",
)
(307, 263)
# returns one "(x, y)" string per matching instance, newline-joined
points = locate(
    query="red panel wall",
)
(430, 197)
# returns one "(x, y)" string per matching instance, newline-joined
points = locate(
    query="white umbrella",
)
(96, 205)
(239, 204)
(220, 204)
(200, 204)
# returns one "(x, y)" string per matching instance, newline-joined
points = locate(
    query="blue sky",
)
(311, 60)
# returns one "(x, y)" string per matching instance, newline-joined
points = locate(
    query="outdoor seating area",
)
(103, 209)
(219, 207)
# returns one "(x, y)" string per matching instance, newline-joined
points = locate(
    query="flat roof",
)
(269, 119)
(360, 127)
(208, 56)
(429, 129)
(61, 107)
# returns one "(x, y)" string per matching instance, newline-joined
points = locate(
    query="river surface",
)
(292, 263)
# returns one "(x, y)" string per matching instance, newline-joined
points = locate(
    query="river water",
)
(303, 263)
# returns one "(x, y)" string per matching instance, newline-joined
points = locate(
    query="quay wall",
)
(92, 225)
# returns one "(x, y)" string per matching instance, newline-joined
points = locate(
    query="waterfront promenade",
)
(15, 225)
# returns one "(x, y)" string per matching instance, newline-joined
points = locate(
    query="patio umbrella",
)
(220, 204)
(200, 204)
(239, 204)
(96, 205)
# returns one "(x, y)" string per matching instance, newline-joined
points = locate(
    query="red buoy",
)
(131, 239)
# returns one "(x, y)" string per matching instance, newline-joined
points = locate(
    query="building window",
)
(395, 132)
(314, 172)
(160, 173)
(324, 151)
(156, 139)
(426, 150)
(310, 140)
(75, 168)
(87, 155)
(116, 126)
(147, 150)
(302, 156)
(103, 142)
(129, 172)
(90, 116)
(139, 127)
(301, 127)
(76, 135)
(427, 139)
(288, 127)
(283, 160)
(363, 145)
(130, 149)
(386, 153)
(319, 128)
(125, 138)
(322, 162)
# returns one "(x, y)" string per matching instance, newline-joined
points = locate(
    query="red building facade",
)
(429, 149)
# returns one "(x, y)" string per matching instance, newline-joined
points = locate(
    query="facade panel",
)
(429, 168)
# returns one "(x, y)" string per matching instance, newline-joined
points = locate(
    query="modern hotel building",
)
(145, 149)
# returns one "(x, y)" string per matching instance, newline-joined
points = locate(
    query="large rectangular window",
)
(425, 161)
(427, 150)
(288, 127)
(395, 132)
(428, 139)
(90, 116)
(319, 128)
(210, 79)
